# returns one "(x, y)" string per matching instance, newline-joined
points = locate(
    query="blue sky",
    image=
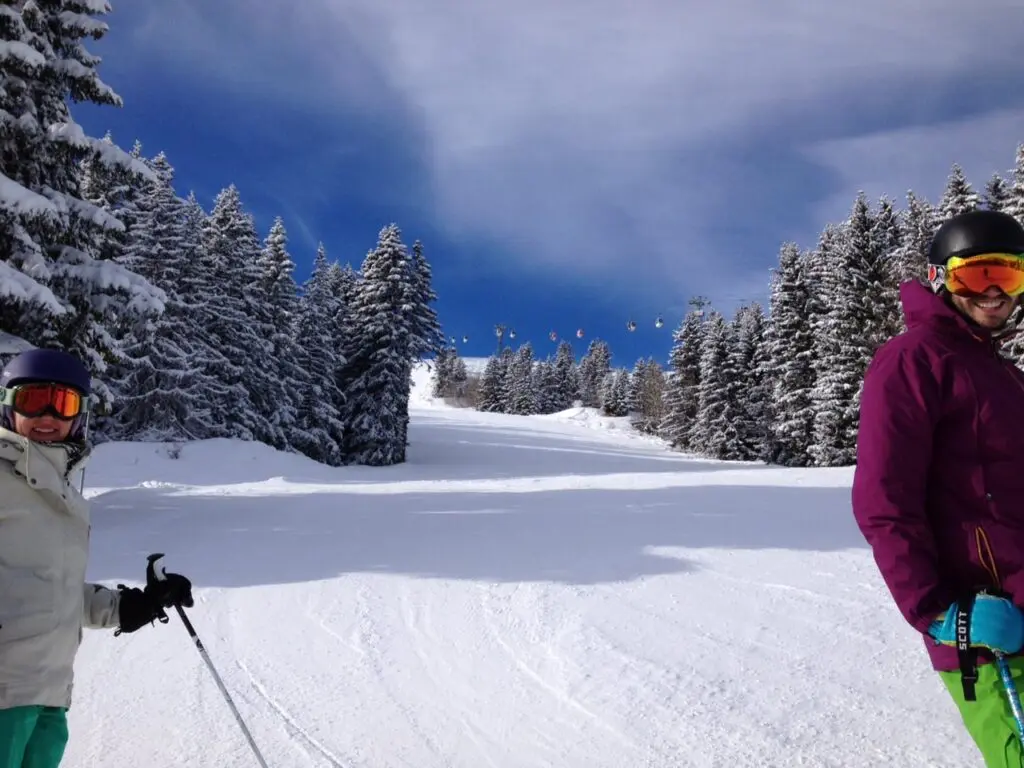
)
(569, 164)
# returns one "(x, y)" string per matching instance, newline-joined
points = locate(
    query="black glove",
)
(139, 607)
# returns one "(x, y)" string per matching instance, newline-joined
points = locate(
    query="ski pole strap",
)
(967, 655)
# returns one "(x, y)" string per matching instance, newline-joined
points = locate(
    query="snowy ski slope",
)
(524, 593)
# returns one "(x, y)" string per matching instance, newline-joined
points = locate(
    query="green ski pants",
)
(32, 737)
(989, 720)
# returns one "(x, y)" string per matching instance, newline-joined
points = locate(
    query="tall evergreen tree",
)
(615, 393)
(491, 393)
(441, 381)
(594, 366)
(425, 330)
(229, 278)
(280, 307)
(566, 378)
(959, 196)
(682, 396)
(522, 398)
(1014, 204)
(997, 193)
(164, 387)
(885, 251)
(58, 286)
(791, 353)
(378, 407)
(714, 430)
(647, 396)
(917, 226)
(458, 381)
(748, 389)
(320, 426)
(545, 384)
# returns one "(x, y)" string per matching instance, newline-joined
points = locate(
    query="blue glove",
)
(996, 624)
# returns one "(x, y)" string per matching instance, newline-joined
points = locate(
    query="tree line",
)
(781, 387)
(192, 324)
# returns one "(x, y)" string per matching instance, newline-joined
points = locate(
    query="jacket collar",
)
(42, 461)
(922, 306)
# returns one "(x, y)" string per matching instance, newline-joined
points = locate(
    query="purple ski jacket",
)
(938, 491)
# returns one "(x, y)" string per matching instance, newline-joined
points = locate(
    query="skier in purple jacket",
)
(938, 490)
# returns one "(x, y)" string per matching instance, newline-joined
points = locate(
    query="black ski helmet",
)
(975, 233)
(50, 366)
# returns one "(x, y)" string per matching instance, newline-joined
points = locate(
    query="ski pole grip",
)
(155, 568)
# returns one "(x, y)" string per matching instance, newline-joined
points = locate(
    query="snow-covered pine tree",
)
(163, 384)
(56, 289)
(634, 396)
(545, 384)
(522, 397)
(958, 197)
(1014, 204)
(117, 190)
(320, 431)
(748, 390)
(594, 366)
(441, 379)
(714, 432)
(820, 268)
(681, 390)
(615, 393)
(917, 226)
(425, 329)
(885, 249)
(997, 193)
(567, 380)
(505, 359)
(343, 284)
(459, 380)
(278, 293)
(791, 354)
(859, 320)
(491, 386)
(378, 400)
(650, 398)
(230, 276)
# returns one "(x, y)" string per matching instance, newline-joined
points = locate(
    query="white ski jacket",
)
(44, 548)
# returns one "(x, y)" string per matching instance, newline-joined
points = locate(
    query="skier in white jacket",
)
(44, 544)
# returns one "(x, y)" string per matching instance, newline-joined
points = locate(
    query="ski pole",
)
(156, 572)
(1011, 693)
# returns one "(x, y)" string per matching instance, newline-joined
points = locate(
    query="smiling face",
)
(990, 310)
(42, 429)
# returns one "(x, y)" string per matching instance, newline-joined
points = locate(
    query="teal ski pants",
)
(33, 737)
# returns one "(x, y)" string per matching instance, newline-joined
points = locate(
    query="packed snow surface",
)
(524, 593)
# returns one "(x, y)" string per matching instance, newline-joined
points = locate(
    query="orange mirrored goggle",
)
(974, 275)
(34, 400)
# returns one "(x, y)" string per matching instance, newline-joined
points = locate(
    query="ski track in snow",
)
(531, 592)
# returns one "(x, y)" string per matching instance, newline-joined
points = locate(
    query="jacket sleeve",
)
(901, 402)
(101, 607)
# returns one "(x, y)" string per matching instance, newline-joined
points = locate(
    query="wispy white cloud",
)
(581, 132)
(919, 158)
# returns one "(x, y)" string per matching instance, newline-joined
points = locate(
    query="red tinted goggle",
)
(974, 275)
(34, 400)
